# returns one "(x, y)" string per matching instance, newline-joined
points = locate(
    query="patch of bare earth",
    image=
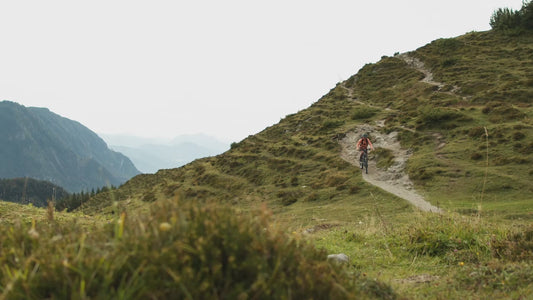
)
(393, 179)
(422, 278)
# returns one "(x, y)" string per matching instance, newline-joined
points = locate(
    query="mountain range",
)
(40, 144)
(150, 155)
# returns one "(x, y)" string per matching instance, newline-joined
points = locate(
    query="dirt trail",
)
(394, 179)
(418, 65)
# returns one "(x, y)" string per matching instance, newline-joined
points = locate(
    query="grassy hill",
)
(486, 85)
(469, 129)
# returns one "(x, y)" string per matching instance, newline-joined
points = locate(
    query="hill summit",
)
(40, 144)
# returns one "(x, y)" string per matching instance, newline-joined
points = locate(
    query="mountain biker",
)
(363, 143)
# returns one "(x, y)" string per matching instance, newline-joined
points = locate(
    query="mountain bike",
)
(363, 161)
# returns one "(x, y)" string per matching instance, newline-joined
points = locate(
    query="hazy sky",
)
(225, 68)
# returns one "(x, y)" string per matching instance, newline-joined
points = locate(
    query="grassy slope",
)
(496, 92)
(297, 160)
(294, 168)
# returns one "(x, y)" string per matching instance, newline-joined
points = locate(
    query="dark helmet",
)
(365, 135)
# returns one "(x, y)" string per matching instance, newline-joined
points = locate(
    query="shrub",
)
(527, 149)
(289, 196)
(477, 132)
(515, 246)
(149, 197)
(234, 145)
(448, 238)
(362, 113)
(331, 124)
(384, 158)
(476, 156)
(430, 117)
(518, 135)
(496, 279)
(448, 62)
(505, 19)
(502, 112)
(512, 21)
(445, 46)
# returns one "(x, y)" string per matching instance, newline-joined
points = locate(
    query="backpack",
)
(364, 143)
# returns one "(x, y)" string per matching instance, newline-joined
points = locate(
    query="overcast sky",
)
(224, 68)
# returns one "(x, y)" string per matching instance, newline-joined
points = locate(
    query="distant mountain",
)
(40, 144)
(151, 155)
(28, 190)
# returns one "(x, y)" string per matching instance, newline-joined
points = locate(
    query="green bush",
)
(505, 19)
(450, 239)
(234, 145)
(515, 246)
(149, 196)
(445, 46)
(289, 196)
(497, 279)
(435, 117)
(512, 21)
(362, 113)
(331, 124)
(384, 158)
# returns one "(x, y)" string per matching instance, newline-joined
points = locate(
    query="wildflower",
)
(461, 264)
(33, 234)
(165, 226)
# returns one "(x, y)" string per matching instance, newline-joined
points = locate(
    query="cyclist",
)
(362, 144)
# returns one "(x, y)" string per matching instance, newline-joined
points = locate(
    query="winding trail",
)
(418, 65)
(394, 179)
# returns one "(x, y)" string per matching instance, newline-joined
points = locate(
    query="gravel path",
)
(393, 180)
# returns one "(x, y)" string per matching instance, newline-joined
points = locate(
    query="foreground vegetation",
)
(178, 251)
(195, 250)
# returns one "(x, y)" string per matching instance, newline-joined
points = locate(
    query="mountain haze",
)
(39, 144)
(151, 155)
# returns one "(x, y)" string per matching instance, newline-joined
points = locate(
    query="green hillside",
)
(258, 221)
(486, 84)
